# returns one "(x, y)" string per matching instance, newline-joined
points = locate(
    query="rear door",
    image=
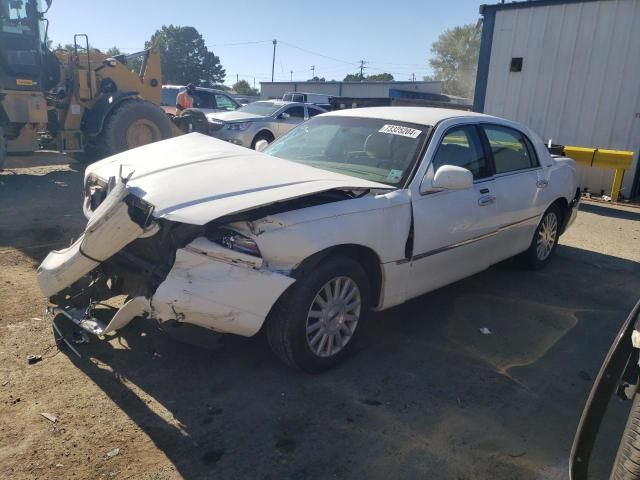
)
(519, 186)
(454, 230)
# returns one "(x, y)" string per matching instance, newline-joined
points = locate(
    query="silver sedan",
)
(262, 120)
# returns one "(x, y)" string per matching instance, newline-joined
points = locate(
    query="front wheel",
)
(627, 464)
(313, 327)
(545, 239)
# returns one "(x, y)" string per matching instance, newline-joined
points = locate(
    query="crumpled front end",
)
(129, 264)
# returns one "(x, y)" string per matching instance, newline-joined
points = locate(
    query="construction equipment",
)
(77, 100)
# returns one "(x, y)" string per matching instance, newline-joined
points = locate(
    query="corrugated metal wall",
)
(580, 80)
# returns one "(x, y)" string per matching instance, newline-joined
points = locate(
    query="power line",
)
(318, 54)
(236, 44)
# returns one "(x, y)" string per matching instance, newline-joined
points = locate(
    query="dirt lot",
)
(426, 396)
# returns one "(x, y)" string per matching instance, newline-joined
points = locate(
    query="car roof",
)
(202, 89)
(419, 115)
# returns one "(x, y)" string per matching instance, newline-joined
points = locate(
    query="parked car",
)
(207, 100)
(619, 374)
(262, 120)
(352, 211)
(318, 99)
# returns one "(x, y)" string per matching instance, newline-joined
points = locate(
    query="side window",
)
(225, 103)
(295, 112)
(511, 150)
(314, 111)
(203, 99)
(462, 147)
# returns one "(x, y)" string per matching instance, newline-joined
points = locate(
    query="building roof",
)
(528, 4)
(418, 115)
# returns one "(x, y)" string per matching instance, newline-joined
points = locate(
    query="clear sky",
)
(391, 36)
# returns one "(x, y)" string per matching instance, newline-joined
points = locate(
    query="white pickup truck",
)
(352, 211)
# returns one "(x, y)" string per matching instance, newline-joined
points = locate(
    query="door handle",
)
(542, 183)
(486, 200)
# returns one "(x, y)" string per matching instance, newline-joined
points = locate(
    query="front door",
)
(455, 231)
(296, 115)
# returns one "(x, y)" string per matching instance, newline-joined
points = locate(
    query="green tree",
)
(243, 88)
(186, 58)
(455, 59)
(354, 77)
(380, 77)
(113, 51)
(317, 79)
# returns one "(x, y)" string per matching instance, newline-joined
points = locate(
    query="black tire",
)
(627, 464)
(192, 120)
(117, 134)
(287, 322)
(262, 136)
(533, 257)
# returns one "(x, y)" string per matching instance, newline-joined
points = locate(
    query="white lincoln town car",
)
(352, 211)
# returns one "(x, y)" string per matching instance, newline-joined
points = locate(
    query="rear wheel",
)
(314, 326)
(134, 123)
(627, 464)
(545, 240)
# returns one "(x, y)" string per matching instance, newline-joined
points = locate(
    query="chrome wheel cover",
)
(333, 316)
(547, 234)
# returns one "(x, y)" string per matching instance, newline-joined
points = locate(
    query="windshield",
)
(18, 16)
(372, 149)
(264, 109)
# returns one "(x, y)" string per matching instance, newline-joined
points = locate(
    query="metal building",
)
(569, 69)
(270, 90)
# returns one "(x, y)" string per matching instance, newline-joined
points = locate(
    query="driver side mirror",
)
(448, 177)
(284, 116)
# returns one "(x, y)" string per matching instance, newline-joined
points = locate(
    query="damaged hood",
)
(196, 179)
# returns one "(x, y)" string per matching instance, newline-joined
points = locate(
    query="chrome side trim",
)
(467, 242)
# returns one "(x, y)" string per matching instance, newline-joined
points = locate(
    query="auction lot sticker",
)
(399, 130)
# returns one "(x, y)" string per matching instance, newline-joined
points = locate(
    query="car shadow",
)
(610, 211)
(426, 394)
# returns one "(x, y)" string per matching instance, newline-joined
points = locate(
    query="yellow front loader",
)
(77, 100)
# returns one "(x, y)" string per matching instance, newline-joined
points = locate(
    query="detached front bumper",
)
(208, 286)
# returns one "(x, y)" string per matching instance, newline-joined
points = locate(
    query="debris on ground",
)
(606, 198)
(113, 453)
(484, 331)
(48, 416)
(31, 359)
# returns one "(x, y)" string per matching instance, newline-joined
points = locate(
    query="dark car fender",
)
(621, 362)
(93, 119)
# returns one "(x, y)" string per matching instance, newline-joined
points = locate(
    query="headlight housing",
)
(240, 126)
(236, 241)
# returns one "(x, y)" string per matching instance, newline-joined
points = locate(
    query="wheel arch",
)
(94, 118)
(565, 210)
(365, 256)
(261, 132)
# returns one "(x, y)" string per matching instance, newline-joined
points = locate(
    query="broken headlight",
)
(236, 241)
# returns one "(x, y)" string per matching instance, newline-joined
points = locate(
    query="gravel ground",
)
(425, 396)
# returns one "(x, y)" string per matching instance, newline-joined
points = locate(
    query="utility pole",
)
(362, 67)
(313, 71)
(413, 77)
(273, 64)
(237, 78)
(291, 78)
